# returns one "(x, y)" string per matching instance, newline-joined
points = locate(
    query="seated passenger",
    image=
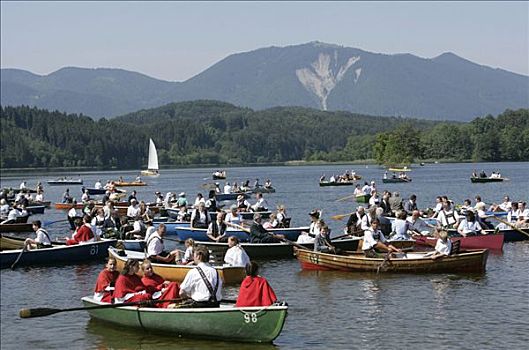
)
(469, 226)
(155, 247)
(41, 241)
(157, 286)
(106, 281)
(255, 290)
(202, 285)
(322, 243)
(442, 247)
(258, 234)
(217, 229)
(83, 232)
(187, 258)
(129, 287)
(374, 242)
(400, 226)
(235, 255)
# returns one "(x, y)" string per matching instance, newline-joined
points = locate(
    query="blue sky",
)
(176, 40)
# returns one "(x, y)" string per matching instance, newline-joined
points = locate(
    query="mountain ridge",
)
(314, 75)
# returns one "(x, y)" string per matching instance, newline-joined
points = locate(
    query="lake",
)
(334, 310)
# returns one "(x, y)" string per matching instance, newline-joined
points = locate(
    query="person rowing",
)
(374, 242)
(258, 234)
(322, 243)
(41, 241)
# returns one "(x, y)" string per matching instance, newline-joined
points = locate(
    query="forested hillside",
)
(211, 132)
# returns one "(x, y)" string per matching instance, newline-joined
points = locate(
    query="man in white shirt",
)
(236, 256)
(202, 284)
(4, 209)
(227, 188)
(134, 209)
(374, 242)
(261, 204)
(98, 185)
(155, 247)
(41, 241)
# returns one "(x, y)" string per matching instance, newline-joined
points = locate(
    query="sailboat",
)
(152, 167)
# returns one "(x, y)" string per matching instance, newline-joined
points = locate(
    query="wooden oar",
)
(511, 225)
(345, 198)
(18, 257)
(341, 216)
(45, 311)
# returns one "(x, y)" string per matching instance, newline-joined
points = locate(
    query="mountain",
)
(315, 75)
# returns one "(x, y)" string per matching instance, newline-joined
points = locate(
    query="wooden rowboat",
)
(177, 273)
(486, 179)
(473, 261)
(129, 184)
(227, 322)
(10, 243)
(336, 183)
(274, 250)
(57, 254)
(18, 227)
(263, 189)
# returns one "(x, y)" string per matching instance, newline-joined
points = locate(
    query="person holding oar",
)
(374, 242)
(258, 234)
(41, 241)
(155, 247)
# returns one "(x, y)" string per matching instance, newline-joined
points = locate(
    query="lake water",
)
(333, 310)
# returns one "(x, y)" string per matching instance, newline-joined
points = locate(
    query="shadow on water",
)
(111, 336)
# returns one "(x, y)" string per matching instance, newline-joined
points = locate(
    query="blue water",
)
(334, 310)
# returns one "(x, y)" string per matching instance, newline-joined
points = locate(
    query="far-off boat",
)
(152, 166)
(485, 179)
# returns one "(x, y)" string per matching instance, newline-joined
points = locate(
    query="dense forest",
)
(211, 132)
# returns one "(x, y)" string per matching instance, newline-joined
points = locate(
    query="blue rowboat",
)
(510, 235)
(199, 234)
(57, 254)
(172, 226)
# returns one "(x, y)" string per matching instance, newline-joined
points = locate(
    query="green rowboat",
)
(248, 324)
(362, 198)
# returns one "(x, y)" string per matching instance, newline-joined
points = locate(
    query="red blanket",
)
(255, 291)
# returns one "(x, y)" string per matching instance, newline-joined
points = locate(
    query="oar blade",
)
(38, 312)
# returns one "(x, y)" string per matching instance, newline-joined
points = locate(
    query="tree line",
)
(212, 132)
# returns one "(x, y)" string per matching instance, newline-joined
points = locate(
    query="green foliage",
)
(211, 132)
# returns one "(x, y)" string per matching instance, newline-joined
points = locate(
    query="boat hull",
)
(129, 184)
(249, 324)
(264, 190)
(150, 173)
(198, 234)
(363, 198)
(65, 182)
(275, 250)
(485, 179)
(394, 181)
(467, 262)
(342, 183)
(177, 273)
(18, 227)
(231, 196)
(490, 241)
(57, 254)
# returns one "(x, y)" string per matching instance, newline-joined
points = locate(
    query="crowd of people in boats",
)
(345, 177)
(397, 219)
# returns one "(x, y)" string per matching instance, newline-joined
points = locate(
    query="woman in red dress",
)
(105, 282)
(129, 287)
(158, 287)
(255, 290)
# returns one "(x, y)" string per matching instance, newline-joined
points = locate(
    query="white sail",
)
(153, 156)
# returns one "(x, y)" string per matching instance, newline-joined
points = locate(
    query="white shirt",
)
(39, 197)
(506, 206)
(41, 237)
(236, 256)
(198, 201)
(98, 185)
(366, 189)
(194, 286)
(154, 245)
(4, 210)
(227, 189)
(369, 239)
(188, 255)
(442, 247)
(447, 218)
(201, 216)
(72, 213)
(85, 197)
(23, 185)
(13, 214)
(132, 211)
(261, 203)
(468, 226)
(233, 218)
(149, 232)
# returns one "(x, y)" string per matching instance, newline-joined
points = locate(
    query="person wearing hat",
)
(258, 234)
(314, 228)
(182, 200)
(242, 203)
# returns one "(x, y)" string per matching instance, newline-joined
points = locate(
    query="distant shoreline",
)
(7, 171)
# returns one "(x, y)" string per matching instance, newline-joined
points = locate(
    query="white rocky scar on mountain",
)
(320, 78)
